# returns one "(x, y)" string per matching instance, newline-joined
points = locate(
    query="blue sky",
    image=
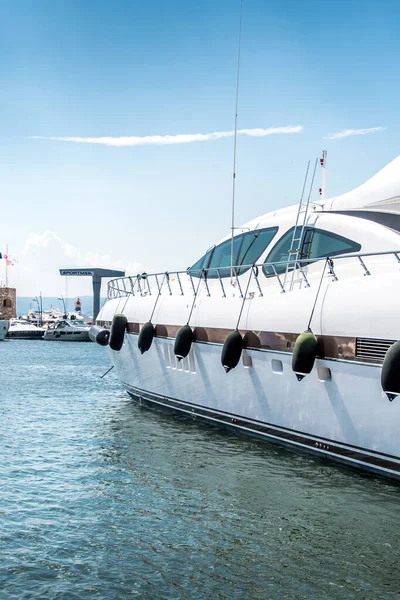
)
(99, 69)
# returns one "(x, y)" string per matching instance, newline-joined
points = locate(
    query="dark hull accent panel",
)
(25, 335)
(350, 456)
(66, 336)
(329, 346)
(387, 219)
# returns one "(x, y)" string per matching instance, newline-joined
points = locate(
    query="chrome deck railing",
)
(171, 282)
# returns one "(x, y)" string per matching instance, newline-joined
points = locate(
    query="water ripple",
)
(102, 499)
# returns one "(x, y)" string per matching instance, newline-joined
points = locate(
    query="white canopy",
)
(381, 192)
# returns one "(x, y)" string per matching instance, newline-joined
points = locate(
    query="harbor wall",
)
(8, 303)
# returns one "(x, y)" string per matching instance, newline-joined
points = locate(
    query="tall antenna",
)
(235, 136)
(322, 189)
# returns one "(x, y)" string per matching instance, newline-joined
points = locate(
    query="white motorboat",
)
(24, 330)
(44, 318)
(50, 315)
(4, 325)
(224, 344)
(67, 330)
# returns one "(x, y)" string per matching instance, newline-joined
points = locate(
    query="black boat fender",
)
(183, 342)
(117, 334)
(390, 376)
(146, 336)
(304, 354)
(232, 351)
(99, 335)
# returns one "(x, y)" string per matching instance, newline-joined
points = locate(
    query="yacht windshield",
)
(76, 323)
(247, 249)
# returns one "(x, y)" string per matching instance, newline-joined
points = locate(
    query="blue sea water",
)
(102, 499)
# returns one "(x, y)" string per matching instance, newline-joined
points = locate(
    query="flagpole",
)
(7, 267)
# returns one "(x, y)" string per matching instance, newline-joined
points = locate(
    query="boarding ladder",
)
(296, 245)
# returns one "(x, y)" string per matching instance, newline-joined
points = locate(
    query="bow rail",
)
(216, 281)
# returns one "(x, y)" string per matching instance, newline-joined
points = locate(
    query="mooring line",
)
(107, 372)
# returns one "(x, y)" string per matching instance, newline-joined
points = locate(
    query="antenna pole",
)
(235, 139)
(322, 161)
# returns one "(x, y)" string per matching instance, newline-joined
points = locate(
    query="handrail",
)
(118, 287)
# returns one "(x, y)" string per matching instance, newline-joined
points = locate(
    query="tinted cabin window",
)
(247, 249)
(222, 257)
(317, 243)
(279, 253)
(203, 262)
(253, 245)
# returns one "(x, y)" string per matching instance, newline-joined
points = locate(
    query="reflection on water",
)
(103, 499)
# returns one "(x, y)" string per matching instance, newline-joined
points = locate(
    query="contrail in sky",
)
(349, 132)
(161, 140)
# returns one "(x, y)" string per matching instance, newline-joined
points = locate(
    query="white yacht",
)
(67, 330)
(296, 343)
(4, 325)
(24, 330)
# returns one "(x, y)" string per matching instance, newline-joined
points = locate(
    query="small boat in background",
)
(23, 330)
(4, 325)
(44, 318)
(67, 330)
(48, 316)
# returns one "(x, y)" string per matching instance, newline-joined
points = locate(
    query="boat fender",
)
(146, 336)
(304, 354)
(390, 376)
(117, 334)
(99, 335)
(232, 351)
(183, 342)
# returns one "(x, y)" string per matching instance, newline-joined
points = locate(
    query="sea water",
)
(102, 499)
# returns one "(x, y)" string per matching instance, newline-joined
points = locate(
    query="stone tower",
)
(8, 303)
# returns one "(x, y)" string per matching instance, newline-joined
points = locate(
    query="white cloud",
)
(40, 240)
(42, 257)
(350, 132)
(161, 140)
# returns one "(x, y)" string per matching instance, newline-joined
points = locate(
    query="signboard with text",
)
(78, 272)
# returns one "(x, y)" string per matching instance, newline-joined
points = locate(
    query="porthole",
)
(324, 374)
(277, 366)
(247, 361)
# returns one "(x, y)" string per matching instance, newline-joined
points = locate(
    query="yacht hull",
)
(344, 301)
(337, 412)
(4, 325)
(25, 335)
(66, 336)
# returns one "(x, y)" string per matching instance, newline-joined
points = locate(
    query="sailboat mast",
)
(235, 140)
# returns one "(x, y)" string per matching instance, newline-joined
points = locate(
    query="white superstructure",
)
(342, 281)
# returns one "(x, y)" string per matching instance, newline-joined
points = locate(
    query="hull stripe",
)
(351, 455)
(329, 346)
